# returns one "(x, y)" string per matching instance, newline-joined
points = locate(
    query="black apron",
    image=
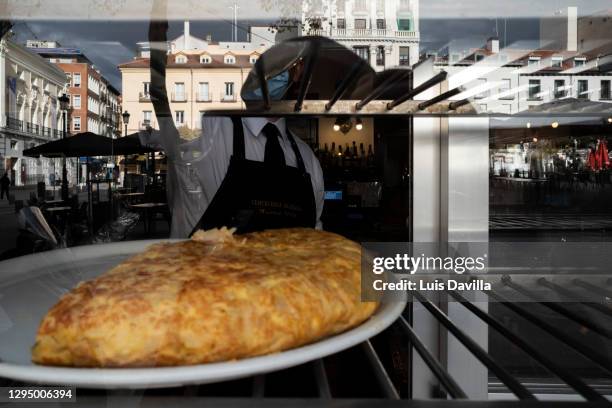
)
(255, 196)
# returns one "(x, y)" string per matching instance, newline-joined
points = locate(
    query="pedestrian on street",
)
(5, 182)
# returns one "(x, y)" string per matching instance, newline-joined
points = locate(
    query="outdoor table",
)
(130, 196)
(52, 203)
(146, 208)
(58, 209)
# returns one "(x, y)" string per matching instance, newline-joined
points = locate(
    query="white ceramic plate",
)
(30, 285)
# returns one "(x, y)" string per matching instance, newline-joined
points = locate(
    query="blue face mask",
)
(277, 86)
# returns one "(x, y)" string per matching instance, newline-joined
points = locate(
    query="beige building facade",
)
(201, 75)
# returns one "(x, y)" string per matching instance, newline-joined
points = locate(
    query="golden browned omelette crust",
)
(213, 298)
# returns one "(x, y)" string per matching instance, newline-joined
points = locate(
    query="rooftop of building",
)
(59, 52)
(193, 61)
(515, 57)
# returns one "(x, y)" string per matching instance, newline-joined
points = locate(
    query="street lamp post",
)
(64, 104)
(126, 119)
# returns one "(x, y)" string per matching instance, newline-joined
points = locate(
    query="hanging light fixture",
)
(610, 119)
(346, 126)
(528, 125)
(358, 124)
(343, 125)
(555, 125)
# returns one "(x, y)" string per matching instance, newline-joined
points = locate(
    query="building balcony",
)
(203, 97)
(179, 97)
(227, 98)
(144, 97)
(32, 129)
(367, 33)
(145, 124)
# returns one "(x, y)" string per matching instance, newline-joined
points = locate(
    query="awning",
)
(89, 144)
(81, 144)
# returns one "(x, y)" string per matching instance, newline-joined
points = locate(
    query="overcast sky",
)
(136, 9)
(112, 27)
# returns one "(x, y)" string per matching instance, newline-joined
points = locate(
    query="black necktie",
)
(274, 152)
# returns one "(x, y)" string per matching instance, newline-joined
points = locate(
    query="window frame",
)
(534, 61)
(183, 93)
(400, 25)
(506, 86)
(484, 94)
(366, 49)
(180, 113)
(403, 61)
(380, 55)
(231, 86)
(556, 62)
(200, 97)
(559, 93)
(602, 96)
(365, 23)
(76, 120)
(582, 93)
(534, 95)
(579, 62)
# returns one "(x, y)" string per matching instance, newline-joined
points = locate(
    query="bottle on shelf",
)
(362, 156)
(346, 157)
(371, 163)
(325, 156)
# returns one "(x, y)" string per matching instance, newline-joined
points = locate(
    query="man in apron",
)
(251, 173)
(273, 179)
(248, 173)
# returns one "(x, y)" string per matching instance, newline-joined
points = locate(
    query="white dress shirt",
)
(197, 168)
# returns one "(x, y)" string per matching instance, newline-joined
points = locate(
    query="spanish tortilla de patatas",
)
(215, 297)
